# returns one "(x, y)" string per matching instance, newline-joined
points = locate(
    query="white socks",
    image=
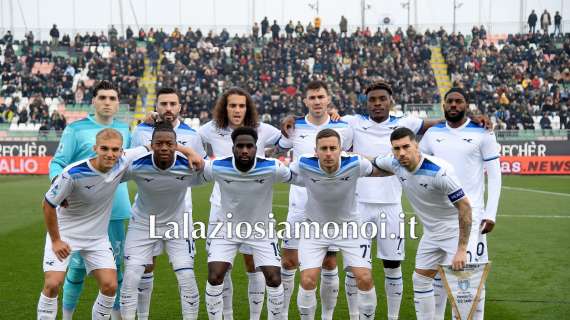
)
(423, 297)
(67, 314)
(145, 291)
(102, 307)
(440, 296)
(329, 292)
(351, 291)
(189, 295)
(367, 303)
(47, 308)
(288, 281)
(307, 303)
(255, 294)
(214, 301)
(394, 287)
(129, 291)
(228, 295)
(275, 303)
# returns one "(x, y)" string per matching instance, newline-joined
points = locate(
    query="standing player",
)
(379, 200)
(162, 178)
(302, 141)
(473, 151)
(330, 180)
(443, 208)
(168, 109)
(235, 108)
(77, 144)
(239, 178)
(77, 209)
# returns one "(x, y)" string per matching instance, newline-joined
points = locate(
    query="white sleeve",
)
(448, 183)
(489, 146)
(347, 135)
(282, 173)
(350, 119)
(273, 135)
(365, 167)
(493, 168)
(425, 146)
(203, 132)
(198, 146)
(385, 163)
(412, 123)
(132, 153)
(285, 143)
(208, 172)
(296, 177)
(60, 189)
(136, 138)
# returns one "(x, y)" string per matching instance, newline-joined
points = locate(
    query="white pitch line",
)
(538, 191)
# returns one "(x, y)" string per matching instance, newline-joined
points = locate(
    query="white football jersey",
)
(331, 197)
(372, 139)
(432, 188)
(221, 141)
(89, 194)
(466, 148)
(248, 195)
(161, 193)
(303, 142)
(185, 136)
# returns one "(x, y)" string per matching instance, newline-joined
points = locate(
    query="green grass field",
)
(529, 248)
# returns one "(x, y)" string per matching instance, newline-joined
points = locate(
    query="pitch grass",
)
(529, 248)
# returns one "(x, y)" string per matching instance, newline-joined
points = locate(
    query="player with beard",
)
(245, 185)
(235, 108)
(472, 151)
(168, 110)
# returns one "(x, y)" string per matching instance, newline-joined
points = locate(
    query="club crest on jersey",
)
(228, 181)
(314, 180)
(148, 179)
(89, 187)
(181, 178)
(440, 140)
(345, 178)
(468, 140)
(182, 142)
(303, 136)
(260, 181)
(403, 179)
(425, 185)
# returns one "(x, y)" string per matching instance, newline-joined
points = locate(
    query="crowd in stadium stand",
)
(527, 75)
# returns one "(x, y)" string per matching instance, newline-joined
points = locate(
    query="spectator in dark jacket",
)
(557, 23)
(532, 19)
(275, 28)
(54, 34)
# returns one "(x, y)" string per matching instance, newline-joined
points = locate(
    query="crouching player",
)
(77, 211)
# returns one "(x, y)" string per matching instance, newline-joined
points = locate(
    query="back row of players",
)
(241, 174)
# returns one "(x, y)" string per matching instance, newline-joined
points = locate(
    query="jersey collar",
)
(317, 126)
(460, 127)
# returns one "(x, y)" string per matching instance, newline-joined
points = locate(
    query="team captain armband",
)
(456, 195)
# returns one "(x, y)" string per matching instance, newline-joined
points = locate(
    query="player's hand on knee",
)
(459, 260)
(61, 249)
(287, 126)
(487, 226)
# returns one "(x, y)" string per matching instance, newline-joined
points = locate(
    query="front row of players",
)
(78, 205)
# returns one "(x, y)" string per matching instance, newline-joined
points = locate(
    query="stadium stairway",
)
(149, 81)
(439, 67)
